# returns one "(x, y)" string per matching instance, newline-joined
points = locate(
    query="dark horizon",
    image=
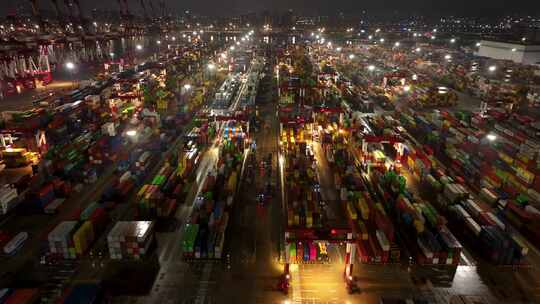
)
(496, 8)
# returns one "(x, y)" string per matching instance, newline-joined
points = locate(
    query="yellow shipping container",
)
(352, 212)
(290, 218)
(363, 230)
(142, 190)
(363, 207)
(79, 240)
(507, 159)
(309, 220)
(419, 226)
(231, 185)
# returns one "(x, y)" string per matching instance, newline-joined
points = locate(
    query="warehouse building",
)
(519, 53)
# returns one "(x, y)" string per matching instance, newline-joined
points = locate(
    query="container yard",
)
(156, 153)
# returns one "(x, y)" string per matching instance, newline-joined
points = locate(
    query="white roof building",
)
(519, 53)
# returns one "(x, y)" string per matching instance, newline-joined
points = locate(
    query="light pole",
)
(187, 89)
(70, 66)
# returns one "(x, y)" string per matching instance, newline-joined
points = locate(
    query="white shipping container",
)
(52, 208)
(488, 196)
(9, 200)
(532, 209)
(383, 241)
(124, 177)
(497, 221)
(343, 195)
(472, 207)
(424, 249)
(473, 226)
(534, 195)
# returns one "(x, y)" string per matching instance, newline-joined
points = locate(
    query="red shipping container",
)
(384, 224)
(519, 211)
(362, 253)
(536, 185)
(23, 296)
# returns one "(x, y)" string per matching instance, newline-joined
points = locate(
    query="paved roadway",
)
(62, 82)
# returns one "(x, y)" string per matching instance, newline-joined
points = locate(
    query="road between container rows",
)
(208, 163)
(171, 276)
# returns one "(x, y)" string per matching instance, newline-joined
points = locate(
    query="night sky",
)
(230, 7)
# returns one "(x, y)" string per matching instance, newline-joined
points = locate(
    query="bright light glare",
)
(187, 86)
(371, 68)
(351, 56)
(138, 47)
(406, 88)
(211, 66)
(70, 65)
(492, 68)
(491, 137)
(131, 133)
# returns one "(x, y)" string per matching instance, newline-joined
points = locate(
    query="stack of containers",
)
(61, 240)
(376, 231)
(71, 239)
(508, 167)
(45, 196)
(421, 227)
(16, 158)
(204, 235)
(130, 239)
(126, 182)
(302, 207)
(8, 199)
(159, 197)
(478, 225)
